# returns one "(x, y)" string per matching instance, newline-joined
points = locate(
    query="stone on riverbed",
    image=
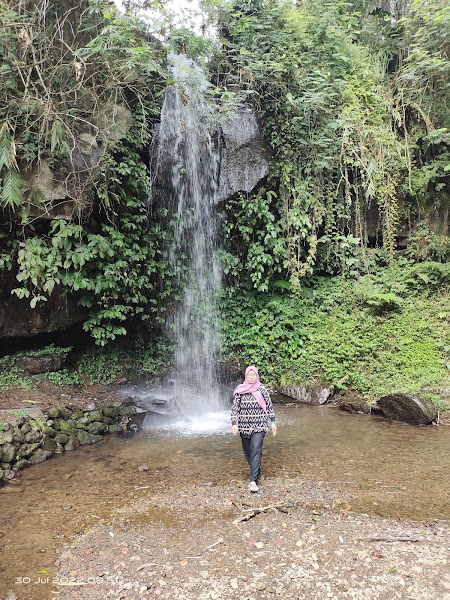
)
(72, 444)
(39, 456)
(84, 437)
(8, 453)
(409, 408)
(354, 405)
(97, 428)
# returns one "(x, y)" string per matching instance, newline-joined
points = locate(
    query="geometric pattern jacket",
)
(248, 415)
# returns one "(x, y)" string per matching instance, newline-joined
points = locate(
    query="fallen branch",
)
(252, 512)
(385, 539)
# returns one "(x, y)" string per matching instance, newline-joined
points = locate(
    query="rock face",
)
(306, 395)
(17, 319)
(409, 408)
(242, 163)
(31, 365)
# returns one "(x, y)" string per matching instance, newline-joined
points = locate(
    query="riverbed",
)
(350, 464)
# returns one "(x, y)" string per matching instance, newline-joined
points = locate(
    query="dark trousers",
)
(252, 447)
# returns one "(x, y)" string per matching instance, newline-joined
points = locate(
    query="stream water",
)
(389, 468)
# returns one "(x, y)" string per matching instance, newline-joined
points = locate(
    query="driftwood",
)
(393, 539)
(249, 513)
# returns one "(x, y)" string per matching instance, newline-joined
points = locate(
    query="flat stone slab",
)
(34, 413)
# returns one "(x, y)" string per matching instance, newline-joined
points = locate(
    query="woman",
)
(252, 407)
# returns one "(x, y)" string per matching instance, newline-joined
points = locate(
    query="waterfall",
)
(187, 173)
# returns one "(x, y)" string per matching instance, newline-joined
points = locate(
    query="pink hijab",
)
(252, 388)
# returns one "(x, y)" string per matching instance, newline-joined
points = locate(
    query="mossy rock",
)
(39, 456)
(111, 411)
(49, 431)
(127, 411)
(8, 453)
(49, 445)
(61, 438)
(115, 428)
(84, 437)
(64, 425)
(26, 450)
(97, 428)
(21, 464)
(32, 436)
(59, 449)
(95, 416)
(56, 413)
(72, 444)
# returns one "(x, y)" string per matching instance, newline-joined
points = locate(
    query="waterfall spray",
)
(188, 160)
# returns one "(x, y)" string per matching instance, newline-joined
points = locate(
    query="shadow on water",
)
(389, 468)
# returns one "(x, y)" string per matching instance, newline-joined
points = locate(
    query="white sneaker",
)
(253, 487)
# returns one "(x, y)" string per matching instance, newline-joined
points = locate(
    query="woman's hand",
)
(274, 428)
(234, 429)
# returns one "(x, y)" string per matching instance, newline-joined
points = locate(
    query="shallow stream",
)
(389, 468)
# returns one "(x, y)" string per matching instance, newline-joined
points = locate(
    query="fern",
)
(12, 189)
(7, 147)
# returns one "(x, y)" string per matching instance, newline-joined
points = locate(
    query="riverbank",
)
(194, 542)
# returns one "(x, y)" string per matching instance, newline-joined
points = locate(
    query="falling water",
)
(188, 161)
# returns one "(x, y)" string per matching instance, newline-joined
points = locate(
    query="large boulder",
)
(306, 395)
(31, 365)
(409, 408)
(242, 164)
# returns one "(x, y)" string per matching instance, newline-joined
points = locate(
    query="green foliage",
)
(12, 376)
(341, 340)
(65, 377)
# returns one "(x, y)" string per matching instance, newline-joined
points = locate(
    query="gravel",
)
(303, 543)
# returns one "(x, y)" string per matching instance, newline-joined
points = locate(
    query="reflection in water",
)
(389, 468)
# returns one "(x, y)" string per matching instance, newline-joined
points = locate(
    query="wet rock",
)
(305, 395)
(354, 405)
(111, 411)
(409, 408)
(8, 453)
(83, 422)
(108, 420)
(9, 474)
(77, 415)
(72, 444)
(20, 464)
(84, 437)
(242, 162)
(115, 429)
(32, 365)
(61, 438)
(7, 436)
(95, 415)
(4, 465)
(97, 428)
(39, 456)
(127, 411)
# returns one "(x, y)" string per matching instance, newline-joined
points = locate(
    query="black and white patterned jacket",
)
(248, 415)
